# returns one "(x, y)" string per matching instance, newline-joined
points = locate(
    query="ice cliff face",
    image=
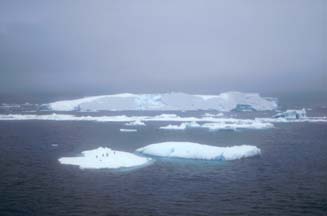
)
(169, 101)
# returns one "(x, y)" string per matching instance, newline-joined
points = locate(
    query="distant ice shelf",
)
(224, 102)
(104, 157)
(189, 150)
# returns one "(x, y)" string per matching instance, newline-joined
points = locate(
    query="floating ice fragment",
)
(135, 123)
(292, 114)
(191, 150)
(105, 158)
(182, 126)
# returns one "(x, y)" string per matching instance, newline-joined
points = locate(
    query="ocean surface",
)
(288, 178)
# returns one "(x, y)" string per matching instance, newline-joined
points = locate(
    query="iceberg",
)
(189, 150)
(292, 114)
(168, 101)
(104, 157)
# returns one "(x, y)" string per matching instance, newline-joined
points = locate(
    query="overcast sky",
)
(196, 46)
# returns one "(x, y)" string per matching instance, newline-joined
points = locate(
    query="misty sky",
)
(196, 46)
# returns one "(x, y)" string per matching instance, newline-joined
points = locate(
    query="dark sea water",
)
(289, 178)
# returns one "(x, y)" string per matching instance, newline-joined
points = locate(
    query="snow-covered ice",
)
(169, 101)
(256, 123)
(223, 124)
(213, 115)
(104, 157)
(191, 150)
(292, 114)
(235, 125)
(182, 126)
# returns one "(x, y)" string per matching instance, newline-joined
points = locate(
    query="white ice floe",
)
(169, 101)
(252, 123)
(135, 123)
(292, 114)
(114, 118)
(285, 120)
(223, 124)
(199, 151)
(182, 126)
(127, 130)
(213, 115)
(105, 158)
(236, 125)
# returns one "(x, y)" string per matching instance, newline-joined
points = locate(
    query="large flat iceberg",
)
(101, 158)
(190, 150)
(169, 101)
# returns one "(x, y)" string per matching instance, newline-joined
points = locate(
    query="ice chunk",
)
(292, 114)
(104, 157)
(213, 115)
(127, 130)
(182, 126)
(235, 125)
(199, 151)
(135, 123)
(224, 124)
(168, 101)
(173, 127)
